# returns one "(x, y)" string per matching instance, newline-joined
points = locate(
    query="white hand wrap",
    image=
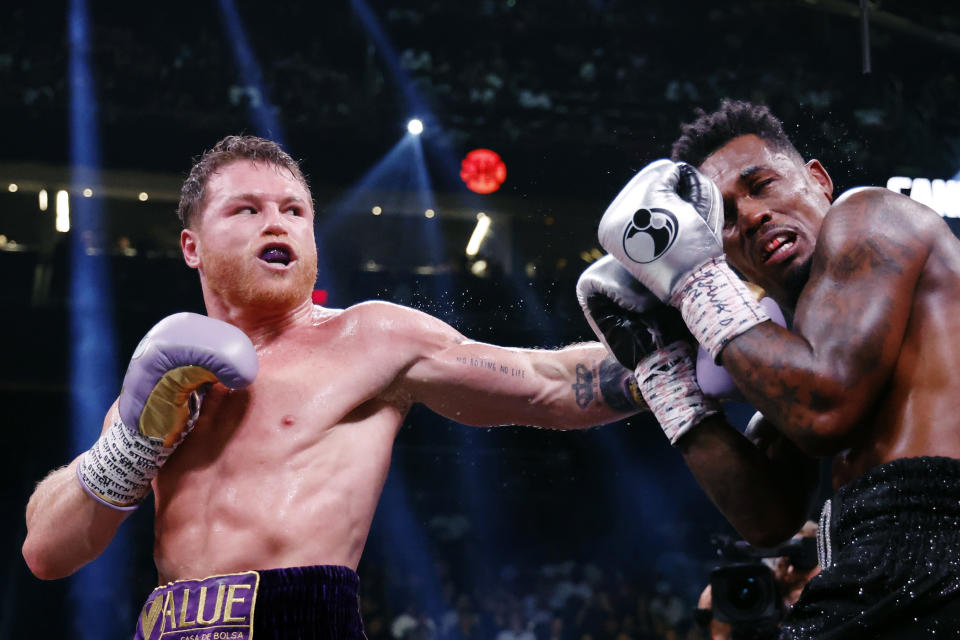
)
(668, 382)
(118, 469)
(120, 465)
(716, 305)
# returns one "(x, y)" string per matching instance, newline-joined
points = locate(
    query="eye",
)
(758, 187)
(297, 211)
(245, 209)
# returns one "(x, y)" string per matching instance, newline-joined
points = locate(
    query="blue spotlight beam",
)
(353, 201)
(441, 283)
(390, 172)
(404, 540)
(261, 108)
(414, 103)
(401, 171)
(102, 585)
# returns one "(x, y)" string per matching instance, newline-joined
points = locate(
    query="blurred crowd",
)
(540, 75)
(561, 601)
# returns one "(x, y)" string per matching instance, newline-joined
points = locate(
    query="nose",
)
(752, 217)
(274, 222)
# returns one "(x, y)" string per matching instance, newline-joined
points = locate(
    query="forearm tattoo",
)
(491, 365)
(614, 384)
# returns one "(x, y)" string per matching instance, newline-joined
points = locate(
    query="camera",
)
(745, 592)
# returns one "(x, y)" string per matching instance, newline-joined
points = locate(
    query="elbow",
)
(37, 562)
(827, 433)
(41, 563)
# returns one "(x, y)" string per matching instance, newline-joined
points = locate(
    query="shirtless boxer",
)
(267, 502)
(868, 374)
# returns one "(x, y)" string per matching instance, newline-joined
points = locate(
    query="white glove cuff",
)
(717, 305)
(668, 382)
(118, 468)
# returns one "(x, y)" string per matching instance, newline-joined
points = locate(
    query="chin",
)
(280, 298)
(280, 293)
(794, 281)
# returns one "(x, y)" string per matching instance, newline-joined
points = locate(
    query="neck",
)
(261, 325)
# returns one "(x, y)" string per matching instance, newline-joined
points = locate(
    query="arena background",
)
(604, 529)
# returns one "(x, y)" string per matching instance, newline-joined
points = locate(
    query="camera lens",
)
(746, 594)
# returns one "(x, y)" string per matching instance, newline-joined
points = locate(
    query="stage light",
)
(479, 233)
(88, 193)
(483, 171)
(143, 197)
(415, 127)
(12, 187)
(42, 200)
(63, 211)
(429, 213)
(478, 268)
(376, 210)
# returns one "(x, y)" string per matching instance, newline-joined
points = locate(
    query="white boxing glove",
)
(664, 227)
(632, 323)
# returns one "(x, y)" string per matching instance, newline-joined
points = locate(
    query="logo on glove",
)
(649, 235)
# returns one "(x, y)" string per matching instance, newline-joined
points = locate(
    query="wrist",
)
(717, 305)
(619, 388)
(668, 382)
(118, 469)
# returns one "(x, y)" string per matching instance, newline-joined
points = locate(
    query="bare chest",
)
(916, 413)
(301, 397)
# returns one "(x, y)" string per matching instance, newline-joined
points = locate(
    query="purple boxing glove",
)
(171, 368)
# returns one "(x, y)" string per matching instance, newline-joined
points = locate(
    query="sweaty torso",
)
(918, 413)
(288, 471)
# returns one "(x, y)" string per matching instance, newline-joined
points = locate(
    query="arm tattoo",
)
(583, 387)
(490, 365)
(788, 390)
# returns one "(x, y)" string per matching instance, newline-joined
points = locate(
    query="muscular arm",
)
(759, 480)
(484, 385)
(820, 382)
(66, 528)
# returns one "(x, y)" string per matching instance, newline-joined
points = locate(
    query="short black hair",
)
(734, 118)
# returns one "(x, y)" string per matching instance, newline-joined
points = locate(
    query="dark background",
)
(574, 95)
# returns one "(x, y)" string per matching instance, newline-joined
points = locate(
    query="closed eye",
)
(757, 187)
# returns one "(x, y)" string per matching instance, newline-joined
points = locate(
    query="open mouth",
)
(277, 254)
(778, 246)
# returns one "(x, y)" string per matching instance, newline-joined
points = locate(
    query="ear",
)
(821, 177)
(190, 248)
